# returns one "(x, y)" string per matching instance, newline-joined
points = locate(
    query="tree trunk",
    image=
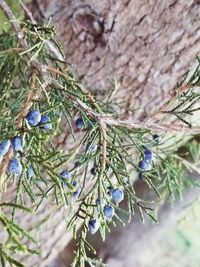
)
(145, 45)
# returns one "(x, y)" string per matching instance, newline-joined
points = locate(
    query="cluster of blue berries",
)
(79, 123)
(117, 196)
(145, 164)
(66, 175)
(33, 118)
(14, 166)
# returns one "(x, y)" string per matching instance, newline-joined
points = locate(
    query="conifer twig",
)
(149, 124)
(182, 89)
(110, 120)
(104, 143)
(13, 21)
(28, 101)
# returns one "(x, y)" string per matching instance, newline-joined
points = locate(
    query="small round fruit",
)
(4, 147)
(148, 154)
(109, 192)
(65, 174)
(117, 195)
(156, 138)
(74, 183)
(76, 194)
(33, 117)
(108, 212)
(45, 122)
(79, 123)
(17, 143)
(14, 167)
(93, 226)
(93, 171)
(31, 172)
(98, 201)
(77, 164)
(144, 165)
(91, 147)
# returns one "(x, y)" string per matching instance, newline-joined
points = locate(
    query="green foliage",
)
(31, 78)
(15, 6)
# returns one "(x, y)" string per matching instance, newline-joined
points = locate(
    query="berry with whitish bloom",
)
(91, 147)
(98, 201)
(109, 192)
(31, 172)
(93, 226)
(65, 174)
(45, 122)
(77, 164)
(4, 147)
(33, 117)
(77, 193)
(148, 154)
(108, 212)
(79, 123)
(14, 167)
(74, 183)
(117, 195)
(93, 171)
(156, 138)
(144, 165)
(17, 143)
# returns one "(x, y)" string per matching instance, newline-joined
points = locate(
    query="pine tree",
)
(105, 154)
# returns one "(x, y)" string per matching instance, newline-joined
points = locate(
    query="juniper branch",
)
(112, 135)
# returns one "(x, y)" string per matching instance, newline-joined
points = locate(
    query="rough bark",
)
(146, 45)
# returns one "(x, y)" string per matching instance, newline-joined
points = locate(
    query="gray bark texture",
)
(146, 45)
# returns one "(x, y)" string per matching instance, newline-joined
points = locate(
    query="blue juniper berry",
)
(33, 117)
(144, 165)
(109, 191)
(76, 194)
(91, 147)
(77, 164)
(148, 154)
(17, 143)
(79, 123)
(108, 212)
(93, 226)
(93, 171)
(4, 147)
(117, 195)
(98, 201)
(14, 167)
(156, 138)
(65, 174)
(31, 172)
(45, 122)
(73, 183)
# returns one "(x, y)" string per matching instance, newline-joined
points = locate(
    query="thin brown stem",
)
(182, 89)
(110, 120)
(103, 130)
(13, 21)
